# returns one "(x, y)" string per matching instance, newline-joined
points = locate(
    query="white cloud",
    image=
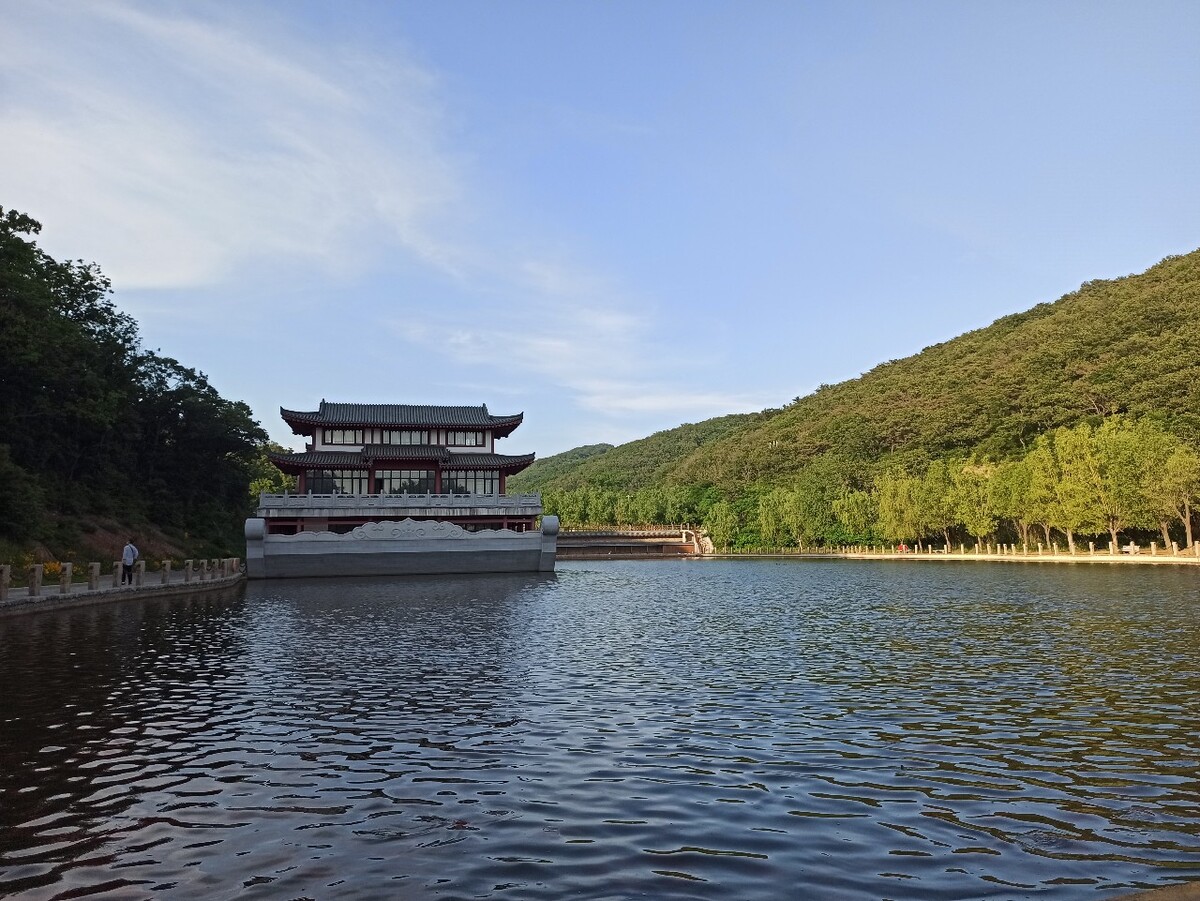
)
(176, 149)
(187, 147)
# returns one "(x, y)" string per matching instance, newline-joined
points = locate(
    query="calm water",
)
(673, 730)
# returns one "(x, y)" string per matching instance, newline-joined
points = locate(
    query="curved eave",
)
(506, 464)
(301, 423)
(503, 426)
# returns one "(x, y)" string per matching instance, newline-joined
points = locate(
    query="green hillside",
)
(1092, 394)
(1127, 345)
(639, 464)
(547, 469)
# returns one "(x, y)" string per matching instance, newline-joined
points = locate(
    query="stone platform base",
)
(406, 547)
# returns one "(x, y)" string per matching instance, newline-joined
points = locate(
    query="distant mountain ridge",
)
(1129, 344)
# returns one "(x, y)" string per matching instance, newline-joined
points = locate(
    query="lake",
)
(652, 729)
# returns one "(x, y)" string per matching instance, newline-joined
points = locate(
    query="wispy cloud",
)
(176, 148)
(189, 147)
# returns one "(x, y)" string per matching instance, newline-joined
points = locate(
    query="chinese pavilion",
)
(399, 488)
(400, 449)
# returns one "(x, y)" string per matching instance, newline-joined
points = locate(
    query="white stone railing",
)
(681, 532)
(285, 501)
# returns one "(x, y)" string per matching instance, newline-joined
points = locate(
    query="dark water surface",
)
(663, 730)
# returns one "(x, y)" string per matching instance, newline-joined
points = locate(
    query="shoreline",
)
(19, 602)
(940, 557)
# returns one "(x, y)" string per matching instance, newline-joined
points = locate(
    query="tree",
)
(1010, 495)
(772, 512)
(971, 499)
(1173, 486)
(855, 511)
(20, 499)
(722, 524)
(1119, 472)
(1041, 498)
(266, 477)
(810, 503)
(935, 503)
(99, 425)
(895, 499)
(1077, 490)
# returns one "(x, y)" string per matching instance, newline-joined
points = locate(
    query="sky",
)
(613, 216)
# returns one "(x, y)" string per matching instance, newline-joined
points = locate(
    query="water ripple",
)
(674, 730)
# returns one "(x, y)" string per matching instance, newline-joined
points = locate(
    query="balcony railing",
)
(532, 502)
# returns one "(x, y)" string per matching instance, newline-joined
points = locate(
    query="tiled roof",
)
(410, 452)
(323, 459)
(405, 452)
(510, 464)
(400, 416)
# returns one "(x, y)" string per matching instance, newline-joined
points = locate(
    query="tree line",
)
(1128, 346)
(92, 423)
(1103, 477)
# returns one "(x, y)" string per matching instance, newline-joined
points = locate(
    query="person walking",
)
(128, 557)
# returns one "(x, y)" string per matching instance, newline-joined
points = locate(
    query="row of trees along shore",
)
(1101, 477)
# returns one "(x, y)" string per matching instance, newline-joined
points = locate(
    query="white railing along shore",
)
(218, 568)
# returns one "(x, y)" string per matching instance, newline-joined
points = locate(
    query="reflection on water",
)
(672, 729)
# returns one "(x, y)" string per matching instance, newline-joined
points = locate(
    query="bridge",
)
(627, 543)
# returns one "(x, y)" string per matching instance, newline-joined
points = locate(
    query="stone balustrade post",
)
(116, 573)
(35, 580)
(962, 548)
(1196, 548)
(1153, 548)
(64, 578)
(1092, 548)
(1174, 548)
(139, 573)
(5, 579)
(166, 572)
(93, 576)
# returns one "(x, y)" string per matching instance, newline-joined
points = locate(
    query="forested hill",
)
(99, 437)
(638, 464)
(1129, 345)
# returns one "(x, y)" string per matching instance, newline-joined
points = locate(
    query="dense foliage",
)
(1117, 359)
(93, 424)
(644, 463)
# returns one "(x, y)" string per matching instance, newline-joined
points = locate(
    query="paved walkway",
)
(52, 596)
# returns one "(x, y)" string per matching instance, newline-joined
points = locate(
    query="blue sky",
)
(613, 216)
